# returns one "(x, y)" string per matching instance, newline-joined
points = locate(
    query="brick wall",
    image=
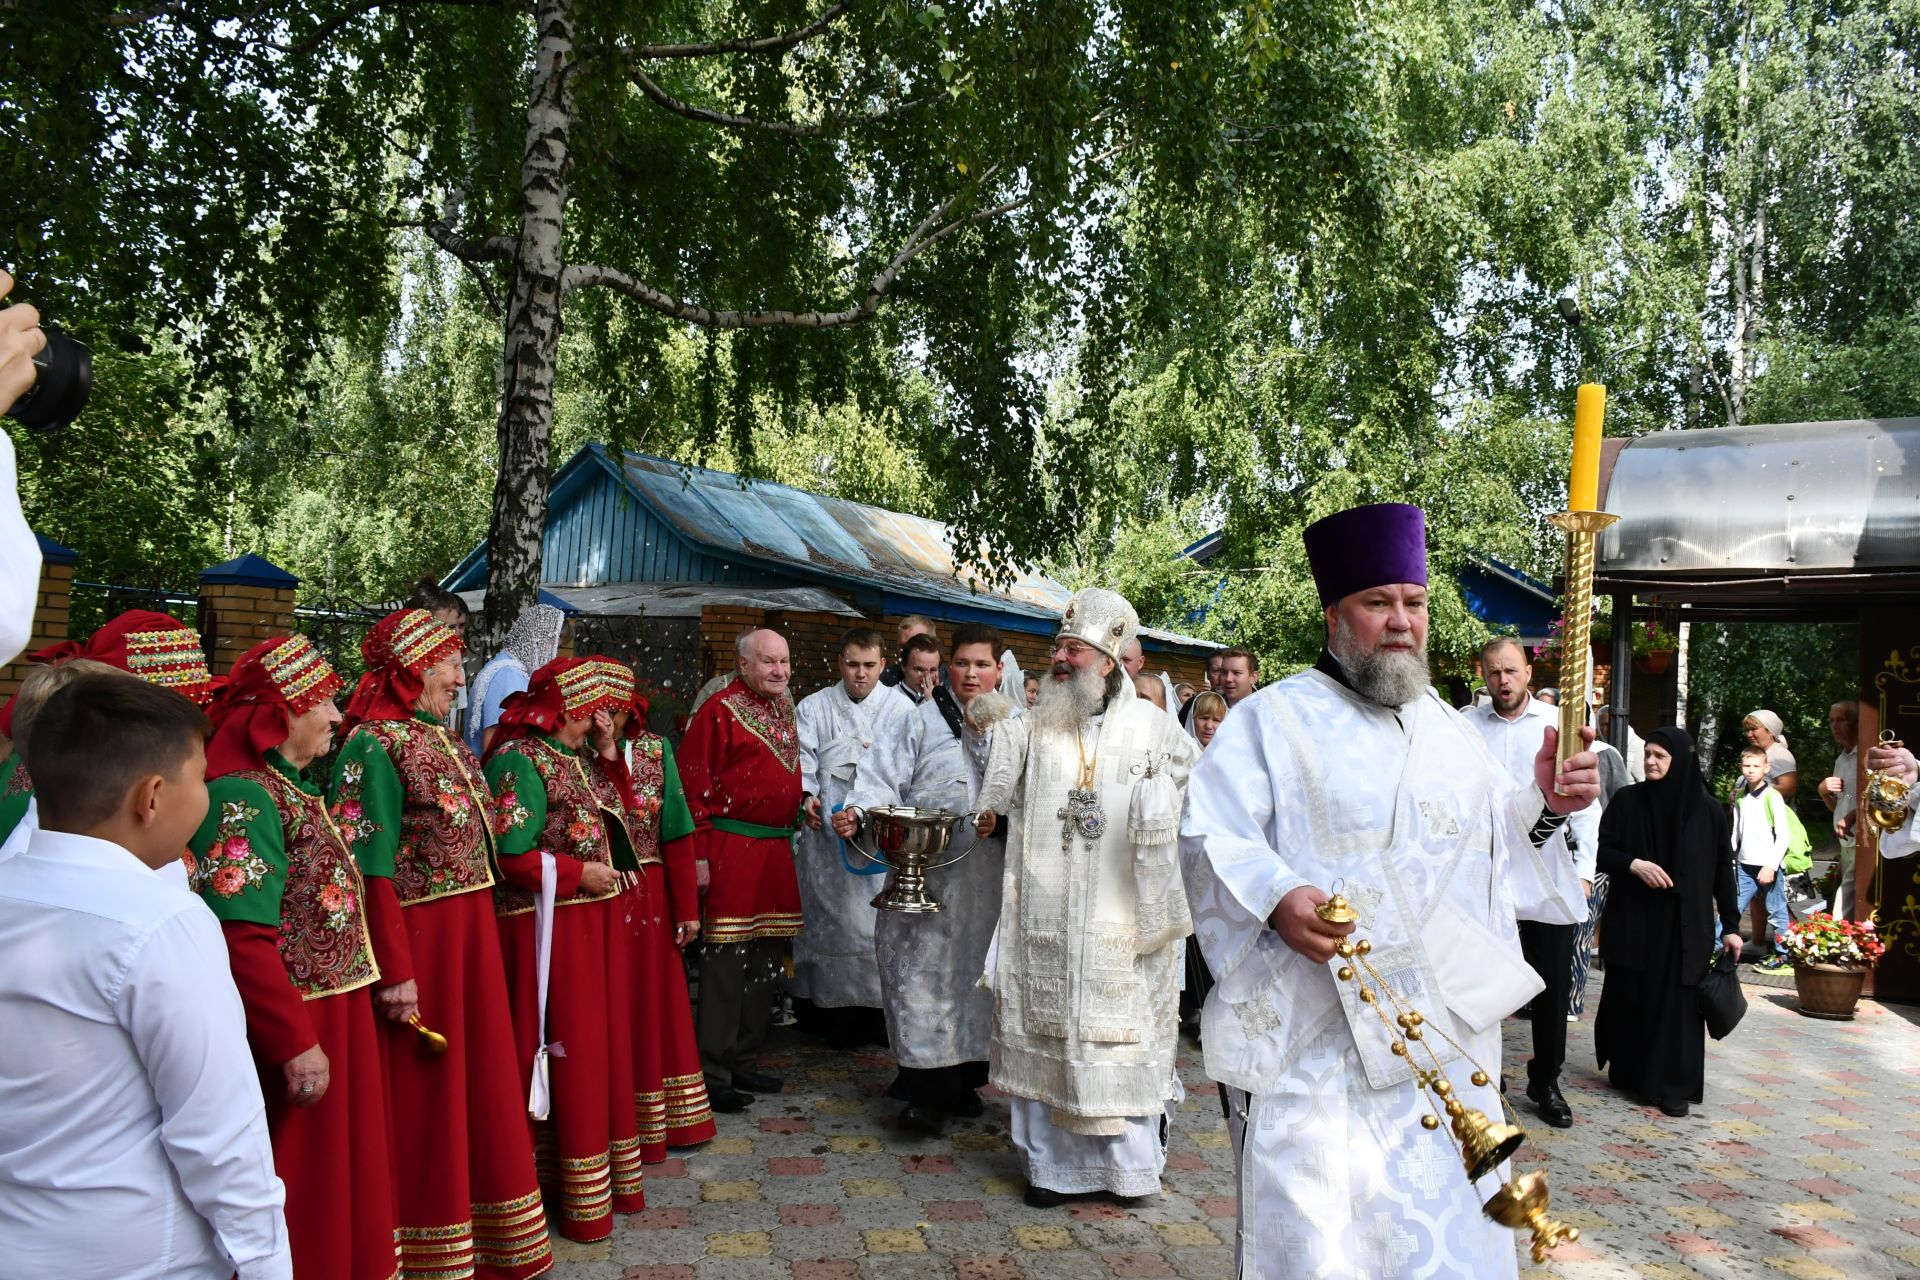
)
(235, 617)
(50, 618)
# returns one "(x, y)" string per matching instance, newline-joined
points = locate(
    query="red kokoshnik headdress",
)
(158, 648)
(565, 689)
(399, 651)
(623, 682)
(273, 683)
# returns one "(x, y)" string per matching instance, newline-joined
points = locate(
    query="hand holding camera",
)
(44, 378)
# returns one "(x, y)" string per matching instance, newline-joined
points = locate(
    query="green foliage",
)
(1797, 671)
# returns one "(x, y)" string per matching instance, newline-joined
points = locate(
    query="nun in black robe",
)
(1657, 941)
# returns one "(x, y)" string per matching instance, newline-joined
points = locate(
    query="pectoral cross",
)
(1084, 815)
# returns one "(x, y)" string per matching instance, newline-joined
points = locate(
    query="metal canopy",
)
(1795, 521)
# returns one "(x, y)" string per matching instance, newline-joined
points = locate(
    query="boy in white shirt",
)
(1760, 840)
(133, 1135)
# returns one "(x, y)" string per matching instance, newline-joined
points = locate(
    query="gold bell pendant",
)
(1485, 1144)
(1522, 1206)
(430, 1040)
(1337, 910)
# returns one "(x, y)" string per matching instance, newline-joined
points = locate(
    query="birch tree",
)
(837, 192)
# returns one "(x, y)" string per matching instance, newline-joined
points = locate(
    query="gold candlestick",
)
(1576, 634)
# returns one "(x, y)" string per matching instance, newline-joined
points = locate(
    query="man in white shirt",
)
(1837, 791)
(133, 1137)
(1514, 723)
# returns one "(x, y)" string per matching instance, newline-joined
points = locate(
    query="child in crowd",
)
(1760, 840)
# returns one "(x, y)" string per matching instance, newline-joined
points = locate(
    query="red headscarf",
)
(160, 649)
(565, 689)
(399, 651)
(273, 683)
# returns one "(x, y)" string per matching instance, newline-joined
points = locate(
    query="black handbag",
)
(1722, 1002)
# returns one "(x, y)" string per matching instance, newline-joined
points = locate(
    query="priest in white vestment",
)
(939, 1013)
(833, 962)
(1354, 777)
(1085, 971)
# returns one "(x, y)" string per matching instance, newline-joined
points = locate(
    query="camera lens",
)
(60, 392)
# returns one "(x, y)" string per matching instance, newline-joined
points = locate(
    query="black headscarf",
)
(1673, 811)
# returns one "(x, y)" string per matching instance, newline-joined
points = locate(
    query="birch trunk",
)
(532, 340)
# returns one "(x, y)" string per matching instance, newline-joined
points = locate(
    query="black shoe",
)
(968, 1106)
(922, 1121)
(754, 1082)
(1552, 1107)
(1675, 1108)
(728, 1101)
(1041, 1198)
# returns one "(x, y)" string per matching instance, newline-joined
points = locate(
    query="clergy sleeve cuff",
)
(388, 929)
(1545, 825)
(277, 1024)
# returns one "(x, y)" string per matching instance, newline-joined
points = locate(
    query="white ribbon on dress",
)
(540, 1096)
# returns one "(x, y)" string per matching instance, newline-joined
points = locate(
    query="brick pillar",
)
(50, 611)
(720, 626)
(242, 602)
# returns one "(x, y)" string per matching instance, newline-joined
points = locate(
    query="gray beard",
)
(1065, 705)
(1390, 679)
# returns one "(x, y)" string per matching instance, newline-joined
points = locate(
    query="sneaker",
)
(1772, 964)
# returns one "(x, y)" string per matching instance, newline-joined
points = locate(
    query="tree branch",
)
(469, 249)
(313, 39)
(764, 44)
(923, 237)
(727, 120)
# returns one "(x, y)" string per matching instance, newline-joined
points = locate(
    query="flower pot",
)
(1828, 990)
(1655, 663)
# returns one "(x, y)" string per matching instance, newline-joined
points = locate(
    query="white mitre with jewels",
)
(1102, 619)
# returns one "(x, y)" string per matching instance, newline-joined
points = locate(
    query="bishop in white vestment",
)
(1354, 777)
(939, 1012)
(1085, 972)
(833, 960)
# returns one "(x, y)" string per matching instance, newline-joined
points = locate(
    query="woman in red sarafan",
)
(553, 816)
(292, 905)
(662, 913)
(411, 800)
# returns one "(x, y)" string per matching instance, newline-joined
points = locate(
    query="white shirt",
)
(1514, 744)
(133, 1138)
(1758, 842)
(1846, 767)
(19, 562)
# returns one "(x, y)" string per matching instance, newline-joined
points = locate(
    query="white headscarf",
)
(532, 642)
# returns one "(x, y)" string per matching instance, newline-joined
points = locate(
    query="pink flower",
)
(236, 848)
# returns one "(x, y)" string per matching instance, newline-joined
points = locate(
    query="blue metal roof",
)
(1502, 596)
(639, 518)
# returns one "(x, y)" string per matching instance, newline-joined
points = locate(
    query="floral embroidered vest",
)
(649, 774)
(770, 720)
(323, 915)
(576, 795)
(445, 841)
(19, 783)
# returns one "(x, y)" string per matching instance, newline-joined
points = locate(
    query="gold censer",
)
(1887, 800)
(1484, 1144)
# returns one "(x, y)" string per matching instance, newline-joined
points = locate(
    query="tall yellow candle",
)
(1583, 484)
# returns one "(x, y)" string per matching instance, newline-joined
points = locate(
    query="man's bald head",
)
(1133, 658)
(764, 662)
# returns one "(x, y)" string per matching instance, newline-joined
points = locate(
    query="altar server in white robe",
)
(1086, 974)
(1355, 777)
(939, 1014)
(833, 960)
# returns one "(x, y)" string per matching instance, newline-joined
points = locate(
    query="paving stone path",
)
(1804, 1162)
